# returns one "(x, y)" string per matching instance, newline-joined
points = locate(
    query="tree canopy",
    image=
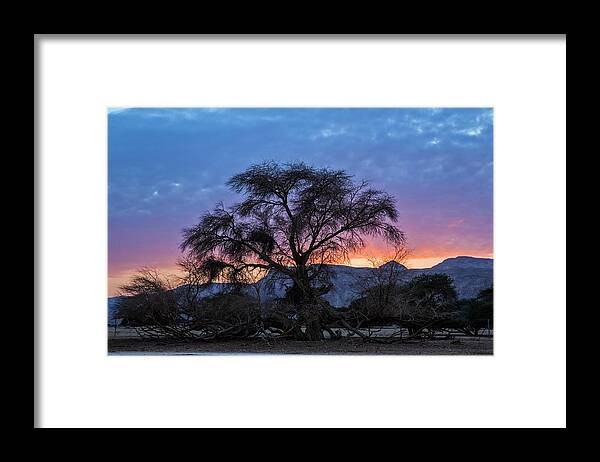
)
(294, 218)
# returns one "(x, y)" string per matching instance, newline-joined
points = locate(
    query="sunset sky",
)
(168, 166)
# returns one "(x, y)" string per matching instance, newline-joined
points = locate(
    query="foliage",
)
(429, 295)
(294, 218)
(149, 299)
(478, 312)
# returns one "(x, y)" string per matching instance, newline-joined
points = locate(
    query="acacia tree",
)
(428, 299)
(378, 290)
(293, 220)
(478, 313)
(148, 298)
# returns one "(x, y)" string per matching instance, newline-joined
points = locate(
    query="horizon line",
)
(345, 264)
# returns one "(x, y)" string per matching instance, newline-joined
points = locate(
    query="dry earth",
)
(353, 346)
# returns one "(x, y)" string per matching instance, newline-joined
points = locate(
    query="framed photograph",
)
(310, 220)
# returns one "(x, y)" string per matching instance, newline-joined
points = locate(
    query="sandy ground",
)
(353, 346)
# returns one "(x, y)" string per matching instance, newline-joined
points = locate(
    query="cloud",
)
(329, 132)
(474, 131)
(116, 110)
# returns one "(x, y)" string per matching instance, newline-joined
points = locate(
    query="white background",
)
(523, 384)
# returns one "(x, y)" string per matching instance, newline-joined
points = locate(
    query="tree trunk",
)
(301, 292)
(314, 330)
(302, 296)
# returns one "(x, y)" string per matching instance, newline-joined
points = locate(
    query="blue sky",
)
(167, 166)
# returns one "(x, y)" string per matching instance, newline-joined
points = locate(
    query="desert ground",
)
(123, 341)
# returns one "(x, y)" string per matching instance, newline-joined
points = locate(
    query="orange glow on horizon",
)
(373, 259)
(411, 263)
(118, 278)
(425, 262)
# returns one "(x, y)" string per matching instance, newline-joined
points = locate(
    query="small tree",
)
(484, 313)
(486, 297)
(159, 309)
(428, 299)
(148, 298)
(476, 313)
(379, 290)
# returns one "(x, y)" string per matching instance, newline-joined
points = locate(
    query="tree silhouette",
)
(429, 296)
(293, 220)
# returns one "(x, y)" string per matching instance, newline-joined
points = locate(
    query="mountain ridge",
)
(470, 275)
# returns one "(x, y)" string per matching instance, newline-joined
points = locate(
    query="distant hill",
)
(464, 263)
(470, 275)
